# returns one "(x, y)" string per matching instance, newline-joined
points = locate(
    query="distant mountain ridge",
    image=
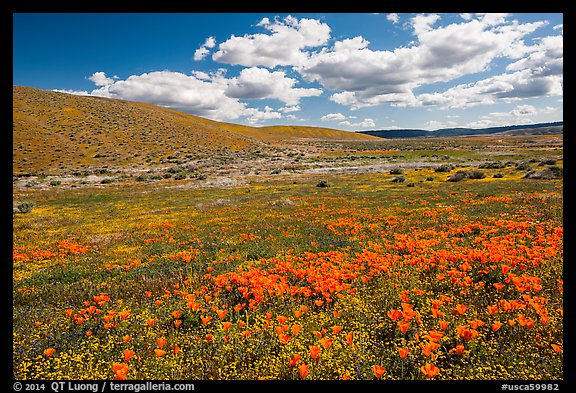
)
(521, 129)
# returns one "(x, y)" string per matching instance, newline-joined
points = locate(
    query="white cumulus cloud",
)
(259, 83)
(178, 91)
(333, 117)
(203, 51)
(284, 45)
(366, 123)
(100, 79)
(366, 77)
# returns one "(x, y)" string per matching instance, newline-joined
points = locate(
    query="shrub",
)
(108, 180)
(411, 185)
(398, 179)
(396, 171)
(551, 172)
(522, 166)
(25, 207)
(55, 182)
(444, 168)
(548, 161)
(142, 177)
(276, 171)
(460, 175)
(475, 174)
(492, 165)
(430, 178)
(498, 175)
(180, 176)
(174, 169)
(322, 184)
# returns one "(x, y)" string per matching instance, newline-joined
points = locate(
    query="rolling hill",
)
(523, 129)
(58, 132)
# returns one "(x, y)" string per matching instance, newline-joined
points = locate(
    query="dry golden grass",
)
(56, 132)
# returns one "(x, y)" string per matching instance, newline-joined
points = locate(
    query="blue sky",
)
(348, 71)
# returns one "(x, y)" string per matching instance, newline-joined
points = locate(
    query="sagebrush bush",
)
(460, 175)
(444, 168)
(547, 161)
(476, 174)
(25, 207)
(522, 166)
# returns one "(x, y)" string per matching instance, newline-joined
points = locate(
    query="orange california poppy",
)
(318, 302)
(378, 370)
(176, 314)
(296, 329)
(128, 353)
(496, 325)
(303, 370)
(326, 342)
(492, 310)
(336, 329)
(476, 323)
(222, 313)
(294, 361)
(282, 319)
(430, 370)
(89, 333)
(349, 339)
(177, 322)
(150, 322)
(443, 324)
(120, 371)
(284, 338)
(161, 342)
(176, 350)
(459, 349)
(436, 313)
(394, 314)
(49, 352)
(314, 351)
(435, 335)
(460, 309)
(159, 352)
(403, 326)
(226, 325)
(403, 352)
(298, 313)
(557, 348)
(205, 320)
(126, 338)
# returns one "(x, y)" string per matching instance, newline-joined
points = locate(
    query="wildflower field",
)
(279, 279)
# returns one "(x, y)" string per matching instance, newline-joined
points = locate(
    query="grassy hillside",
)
(55, 132)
